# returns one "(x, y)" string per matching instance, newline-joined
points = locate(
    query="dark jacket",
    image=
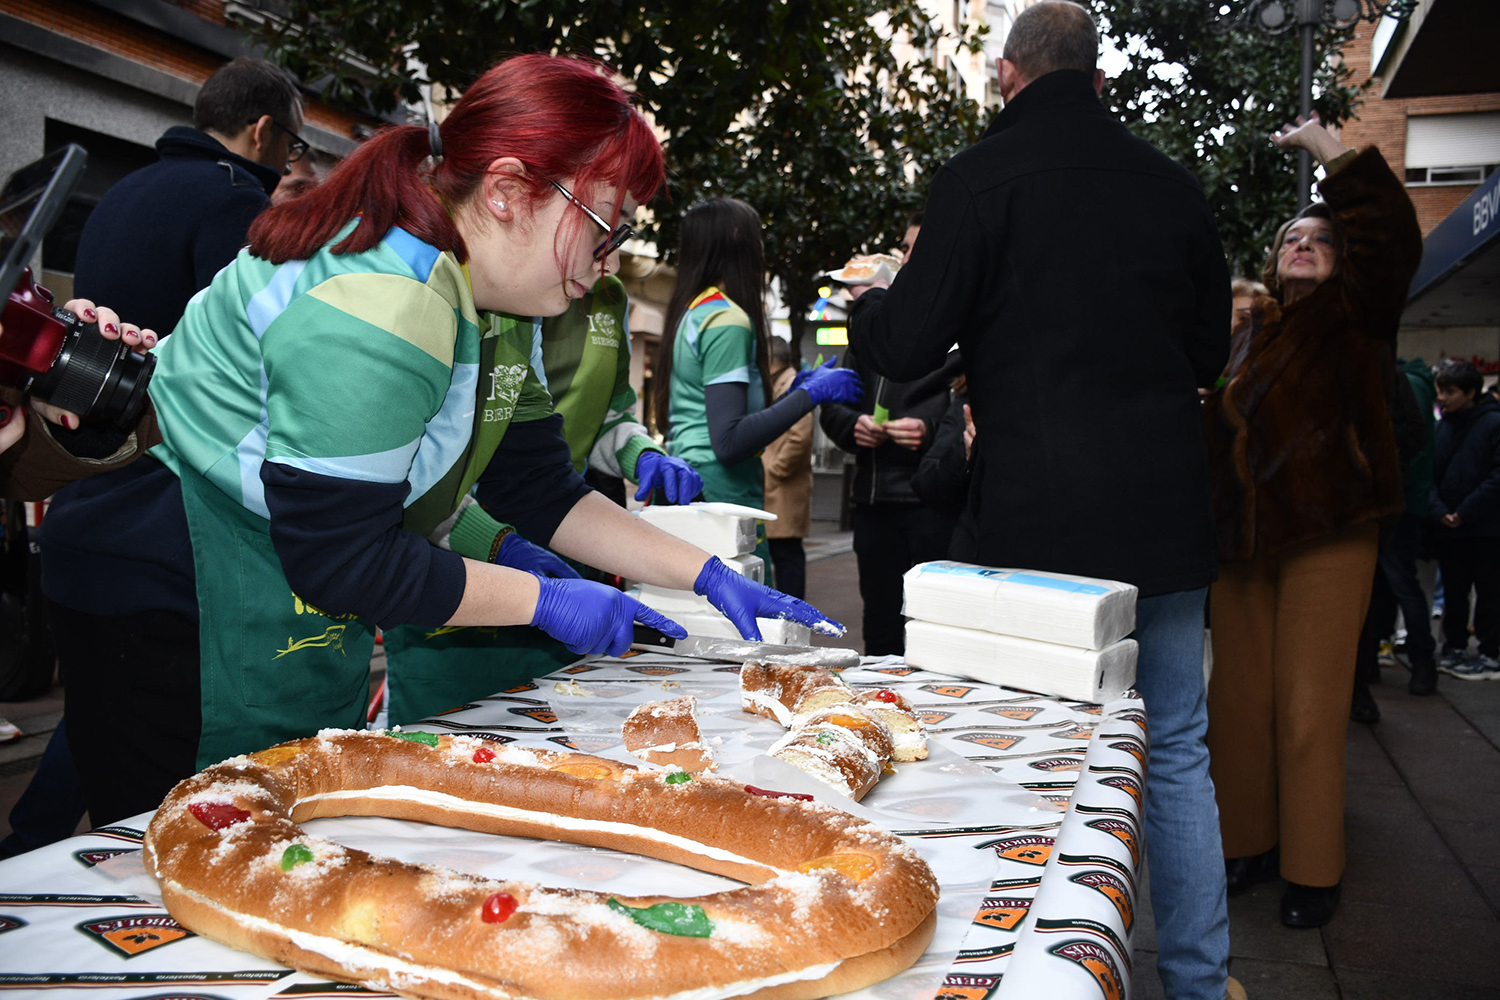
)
(1084, 278)
(1301, 434)
(1466, 470)
(1417, 474)
(942, 479)
(164, 231)
(883, 474)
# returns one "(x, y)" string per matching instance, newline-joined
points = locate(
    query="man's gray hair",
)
(1051, 35)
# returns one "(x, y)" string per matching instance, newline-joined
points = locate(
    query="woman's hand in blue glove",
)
(517, 553)
(828, 384)
(679, 480)
(590, 618)
(743, 600)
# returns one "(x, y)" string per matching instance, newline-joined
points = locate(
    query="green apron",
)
(433, 670)
(275, 668)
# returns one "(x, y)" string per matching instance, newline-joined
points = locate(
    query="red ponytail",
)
(561, 116)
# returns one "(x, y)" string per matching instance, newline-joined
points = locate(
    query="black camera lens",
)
(101, 380)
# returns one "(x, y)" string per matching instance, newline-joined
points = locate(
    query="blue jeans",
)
(1183, 848)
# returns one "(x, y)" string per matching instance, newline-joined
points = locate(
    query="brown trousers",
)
(1285, 631)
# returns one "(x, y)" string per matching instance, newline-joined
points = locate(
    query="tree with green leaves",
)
(1210, 98)
(799, 108)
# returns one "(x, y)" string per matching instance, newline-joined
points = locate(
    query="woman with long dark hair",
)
(327, 404)
(712, 376)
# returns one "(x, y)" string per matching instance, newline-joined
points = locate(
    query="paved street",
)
(1420, 916)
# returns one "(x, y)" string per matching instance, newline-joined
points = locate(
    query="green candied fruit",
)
(668, 918)
(825, 738)
(679, 778)
(294, 856)
(430, 739)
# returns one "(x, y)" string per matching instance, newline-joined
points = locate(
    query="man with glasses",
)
(164, 231)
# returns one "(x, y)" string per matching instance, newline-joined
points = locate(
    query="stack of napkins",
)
(726, 530)
(1046, 632)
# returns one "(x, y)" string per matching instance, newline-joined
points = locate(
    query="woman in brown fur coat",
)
(1305, 464)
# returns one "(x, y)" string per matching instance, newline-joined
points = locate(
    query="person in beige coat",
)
(789, 480)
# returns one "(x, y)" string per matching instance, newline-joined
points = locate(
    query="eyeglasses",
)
(615, 237)
(297, 148)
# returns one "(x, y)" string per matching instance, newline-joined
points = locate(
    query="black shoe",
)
(1363, 707)
(1242, 873)
(1423, 677)
(1308, 905)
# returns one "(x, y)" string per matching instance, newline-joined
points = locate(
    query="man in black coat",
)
(164, 231)
(1082, 274)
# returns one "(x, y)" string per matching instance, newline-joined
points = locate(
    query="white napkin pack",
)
(721, 529)
(1031, 604)
(1094, 675)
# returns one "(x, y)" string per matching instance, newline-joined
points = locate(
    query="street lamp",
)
(1276, 17)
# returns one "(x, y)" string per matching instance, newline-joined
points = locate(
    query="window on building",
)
(1452, 149)
(110, 158)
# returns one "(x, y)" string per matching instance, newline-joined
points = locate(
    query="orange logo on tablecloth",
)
(528, 686)
(1073, 733)
(893, 671)
(657, 670)
(993, 741)
(1098, 962)
(947, 690)
(1113, 889)
(135, 935)
(1126, 784)
(1132, 746)
(932, 718)
(538, 714)
(1018, 712)
(578, 668)
(460, 708)
(1002, 912)
(1123, 832)
(1032, 850)
(957, 987)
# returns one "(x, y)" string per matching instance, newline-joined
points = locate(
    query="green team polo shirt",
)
(715, 344)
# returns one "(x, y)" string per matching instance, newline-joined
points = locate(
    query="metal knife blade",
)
(739, 650)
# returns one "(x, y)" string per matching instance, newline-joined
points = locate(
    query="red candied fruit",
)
(483, 755)
(218, 815)
(777, 795)
(886, 695)
(498, 908)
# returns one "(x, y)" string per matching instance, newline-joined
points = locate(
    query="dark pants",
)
(131, 706)
(1470, 562)
(789, 565)
(890, 539)
(1398, 563)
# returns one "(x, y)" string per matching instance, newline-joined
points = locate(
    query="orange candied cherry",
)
(276, 755)
(594, 769)
(856, 866)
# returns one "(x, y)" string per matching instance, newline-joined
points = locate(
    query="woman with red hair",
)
(328, 404)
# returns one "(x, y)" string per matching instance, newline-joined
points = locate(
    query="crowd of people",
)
(380, 412)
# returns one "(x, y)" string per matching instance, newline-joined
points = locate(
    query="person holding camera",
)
(326, 405)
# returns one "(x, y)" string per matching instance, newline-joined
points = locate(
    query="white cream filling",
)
(353, 956)
(777, 709)
(408, 793)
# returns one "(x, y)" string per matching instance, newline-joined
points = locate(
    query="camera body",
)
(50, 353)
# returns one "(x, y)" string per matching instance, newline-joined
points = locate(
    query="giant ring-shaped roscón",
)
(833, 903)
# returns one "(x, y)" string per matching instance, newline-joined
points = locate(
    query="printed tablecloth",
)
(1028, 809)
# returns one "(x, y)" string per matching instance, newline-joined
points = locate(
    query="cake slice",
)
(666, 732)
(896, 712)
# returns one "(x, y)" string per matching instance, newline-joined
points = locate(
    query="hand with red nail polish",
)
(111, 326)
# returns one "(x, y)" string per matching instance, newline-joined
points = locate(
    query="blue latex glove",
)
(517, 553)
(590, 618)
(679, 480)
(743, 600)
(827, 384)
